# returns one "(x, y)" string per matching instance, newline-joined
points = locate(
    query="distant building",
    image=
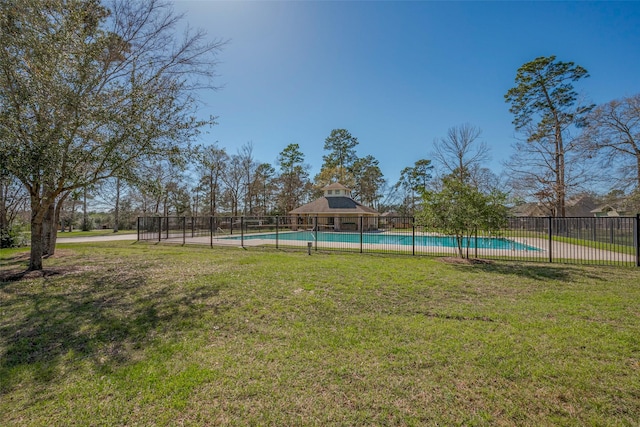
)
(393, 219)
(337, 211)
(580, 205)
(530, 209)
(620, 208)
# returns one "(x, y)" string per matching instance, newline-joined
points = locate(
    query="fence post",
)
(476, 241)
(361, 227)
(637, 238)
(184, 230)
(277, 229)
(242, 231)
(159, 228)
(550, 241)
(315, 231)
(138, 229)
(211, 222)
(413, 236)
(167, 230)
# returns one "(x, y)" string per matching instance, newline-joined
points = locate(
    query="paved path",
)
(109, 238)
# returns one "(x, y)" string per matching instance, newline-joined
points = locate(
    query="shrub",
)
(12, 237)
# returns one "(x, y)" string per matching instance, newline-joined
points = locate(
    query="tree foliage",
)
(415, 178)
(460, 209)
(249, 167)
(233, 179)
(362, 175)
(413, 181)
(341, 147)
(369, 180)
(211, 163)
(13, 201)
(331, 174)
(263, 187)
(293, 180)
(87, 90)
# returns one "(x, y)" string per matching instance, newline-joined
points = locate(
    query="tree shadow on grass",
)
(539, 272)
(106, 319)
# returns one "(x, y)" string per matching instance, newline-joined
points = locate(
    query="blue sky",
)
(397, 75)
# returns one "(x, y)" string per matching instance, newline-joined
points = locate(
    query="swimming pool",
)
(391, 239)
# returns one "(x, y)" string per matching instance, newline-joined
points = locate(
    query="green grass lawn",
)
(602, 244)
(125, 333)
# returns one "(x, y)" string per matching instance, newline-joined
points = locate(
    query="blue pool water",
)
(392, 239)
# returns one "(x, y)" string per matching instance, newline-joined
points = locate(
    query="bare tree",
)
(613, 130)
(249, 166)
(108, 195)
(461, 151)
(263, 187)
(212, 163)
(234, 180)
(13, 200)
(157, 186)
(533, 172)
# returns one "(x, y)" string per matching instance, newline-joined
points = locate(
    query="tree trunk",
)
(85, 215)
(116, 210)
(560, 164)
(37, 215)
(48, 229)
(4, 222)
(459, 243)
(53, 237)
(73, 213)
(35, 259)
(212, 196)
(638, 166)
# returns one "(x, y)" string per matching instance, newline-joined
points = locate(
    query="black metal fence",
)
(606, 241)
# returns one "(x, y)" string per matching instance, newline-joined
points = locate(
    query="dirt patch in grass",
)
(24, 256)
(18, 275)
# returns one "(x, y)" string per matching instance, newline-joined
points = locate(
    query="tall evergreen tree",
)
(293, 179)
(544, 105)
(342, 154)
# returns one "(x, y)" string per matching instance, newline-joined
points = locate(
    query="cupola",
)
(336, 190)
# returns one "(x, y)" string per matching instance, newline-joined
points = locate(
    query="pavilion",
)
(337, 211)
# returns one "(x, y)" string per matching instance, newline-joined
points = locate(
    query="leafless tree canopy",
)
(461, 151)
(532, 170)
(614, 133)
